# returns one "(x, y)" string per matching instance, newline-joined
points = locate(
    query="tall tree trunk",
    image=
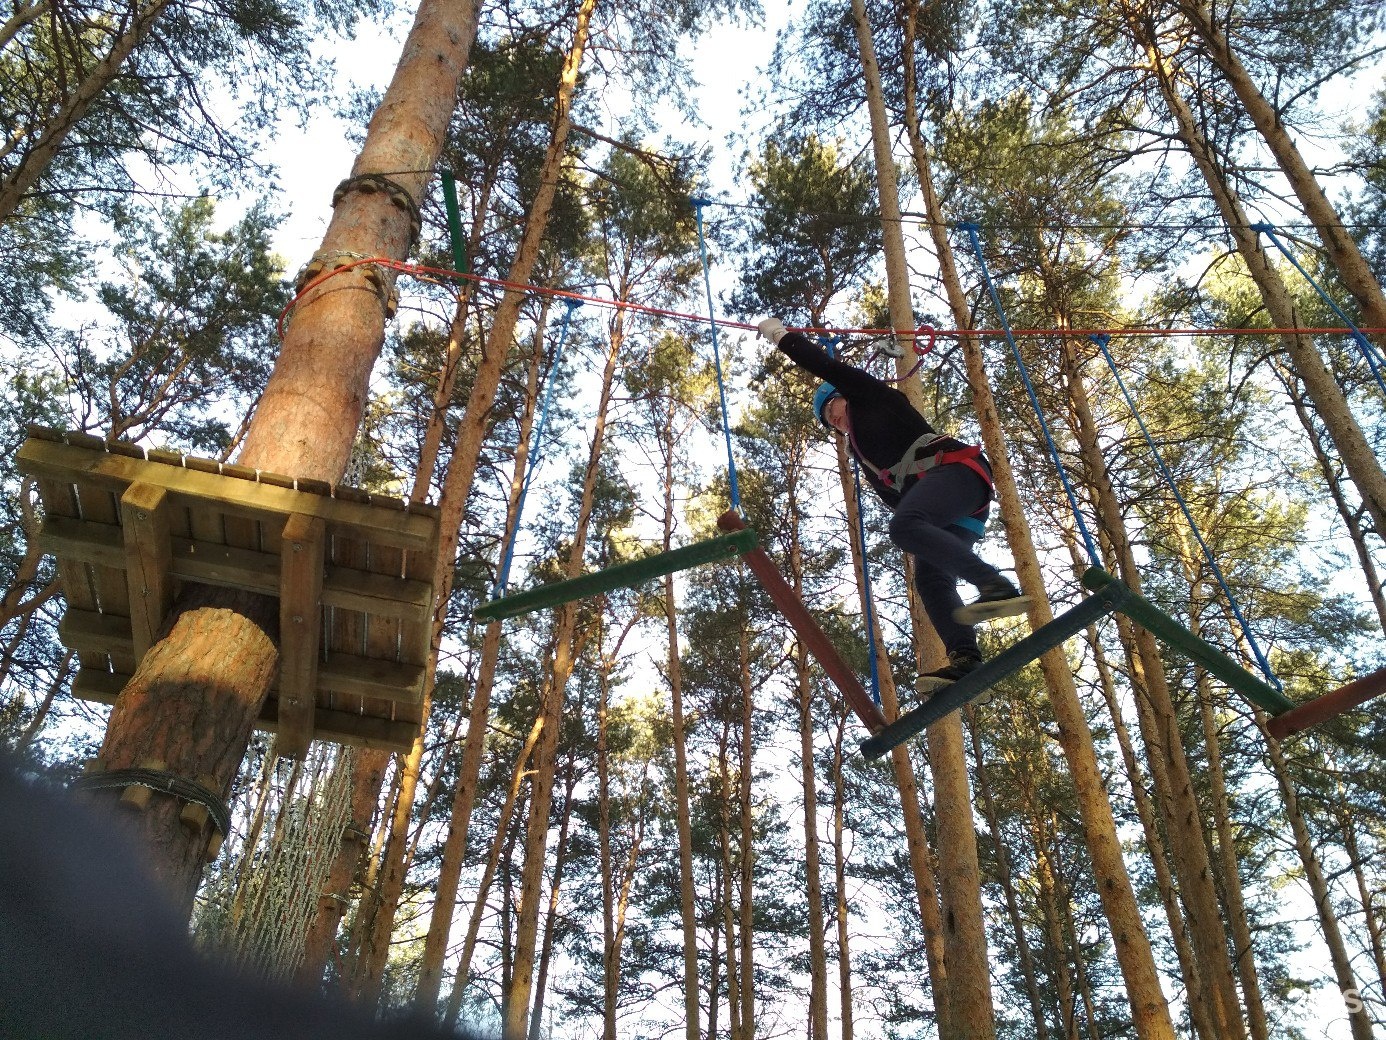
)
(916, 839)
(970, 1015)
(1359, 1018)
(197, 693)
(1229, 869)
(499, 846)
(1050, 895)
(566, 643)
(688, 915)
(1154, 841)
(727, 873)
(1332, 478)
(1006, 878)
(1149, 1010)
(1357, 455)
(1182, 814)
(128, 35)
(368, 775)
(745, 809)
(464, 791)
(536, 1015)
(818, 960)
(1340, 247)
(376, 957)
(1343, 815)
(843, 910)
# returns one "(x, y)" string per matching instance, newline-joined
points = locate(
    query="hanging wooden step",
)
(352, 572)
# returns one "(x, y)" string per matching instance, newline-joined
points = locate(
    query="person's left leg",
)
(922, 524)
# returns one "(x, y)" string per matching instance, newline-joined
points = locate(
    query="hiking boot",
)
(996, 599)
(959, 664)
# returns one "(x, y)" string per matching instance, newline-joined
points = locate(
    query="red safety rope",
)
(436, 273)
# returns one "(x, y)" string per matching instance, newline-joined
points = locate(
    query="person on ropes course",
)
(938, 488)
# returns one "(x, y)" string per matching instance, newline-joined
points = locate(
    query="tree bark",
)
(45, 147)
(818, 960)
(1182, 814)
(1357, 455)
(196, 694)
(970, 1015)
(1359, 1018)
(1005, 876)
(464, 792)
(367, 778)
(1149, 1010)
(1340, 247)
(566, 645)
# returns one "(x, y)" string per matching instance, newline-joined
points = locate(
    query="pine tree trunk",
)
(688, 911)
(916, 840)
(1332, 407)
(393, 868)
(502, 842)
(197, 693)
(566, 642)
(1181, 812)
(536, 1015)
(1340, 248)
(1343, 815)
(1238, 923)
(1332, 478)
(818, 960)
(464, 792)
(727, 871)
(1006, 878)
(970, 1012)
(98, 79)
(688, 915)
(748, 849)
(320, 943)
(1359, 1019)
(1050, 896)
(1154, 844)
(1149, 1010)
(844, 948)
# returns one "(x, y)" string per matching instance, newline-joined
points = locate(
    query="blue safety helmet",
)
(825, 393)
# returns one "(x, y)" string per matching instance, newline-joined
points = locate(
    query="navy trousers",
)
(924, 526)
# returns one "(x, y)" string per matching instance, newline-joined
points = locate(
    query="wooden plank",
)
(739, 542)
(148, 561)
(340, 727)
(213, 564)
(234, 496)
(100, 505)
(416, 637)
(345, 627)
(344, 673)
(60, 501)
(300, 629)
(354, 676)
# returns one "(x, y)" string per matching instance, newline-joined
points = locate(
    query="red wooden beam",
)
(1330, 705)
(794, 611)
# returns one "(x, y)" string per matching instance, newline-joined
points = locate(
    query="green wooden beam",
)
(1157, 622)
(623, 575)
(989, 673)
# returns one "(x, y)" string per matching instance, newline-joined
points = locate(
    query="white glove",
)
(772, 329)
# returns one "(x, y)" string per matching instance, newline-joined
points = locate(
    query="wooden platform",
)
(352, 572)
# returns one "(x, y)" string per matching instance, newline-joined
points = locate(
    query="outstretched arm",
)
(812, 358)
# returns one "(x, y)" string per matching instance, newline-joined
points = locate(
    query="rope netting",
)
(258, 915)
